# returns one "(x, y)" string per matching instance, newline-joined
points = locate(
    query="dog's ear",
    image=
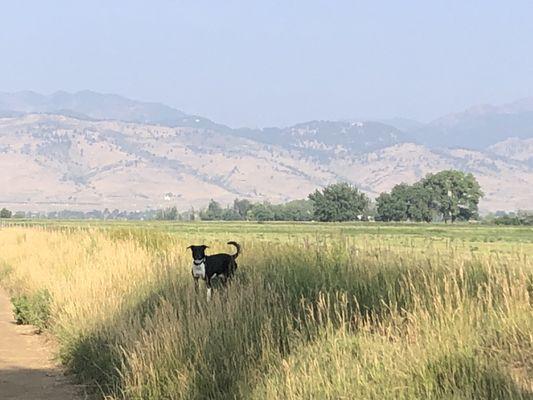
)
(190, 247)
(205, 247)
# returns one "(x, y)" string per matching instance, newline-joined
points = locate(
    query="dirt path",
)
(27, 371)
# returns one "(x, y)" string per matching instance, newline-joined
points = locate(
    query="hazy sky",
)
(260, 63)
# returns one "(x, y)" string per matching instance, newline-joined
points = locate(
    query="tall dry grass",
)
(366, 317)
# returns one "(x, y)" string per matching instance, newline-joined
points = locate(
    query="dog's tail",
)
(238, 247)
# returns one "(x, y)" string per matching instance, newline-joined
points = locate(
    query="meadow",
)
(317, 311)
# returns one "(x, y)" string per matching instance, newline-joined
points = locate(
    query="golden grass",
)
(370, 316)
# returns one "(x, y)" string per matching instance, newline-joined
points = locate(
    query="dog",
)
(206, 267)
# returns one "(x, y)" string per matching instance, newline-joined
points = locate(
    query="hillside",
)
(327, 139)
(87, 151)
(51, 160)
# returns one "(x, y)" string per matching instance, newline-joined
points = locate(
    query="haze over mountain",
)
(89, 104)
(480, 126)
(88, 150)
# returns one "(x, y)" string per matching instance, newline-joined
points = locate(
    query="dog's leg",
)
(233, 267)
(224, 280)
(209, 289)
(196, 285)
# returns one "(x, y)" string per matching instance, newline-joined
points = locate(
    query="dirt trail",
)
(27, 371)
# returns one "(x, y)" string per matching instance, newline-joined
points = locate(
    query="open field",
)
(333, 311)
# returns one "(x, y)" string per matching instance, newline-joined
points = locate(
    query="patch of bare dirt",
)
(27, 368)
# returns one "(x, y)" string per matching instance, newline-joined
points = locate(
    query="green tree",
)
(230, 214)
(261, 212)
(214, 211)
(393, 206)
(525, 217)
(339, 202)
(5, 213)
(167, 214)
(172, 214)
(297, 210)
(419, 203)
(405, 203)
(454, 194)
(242, 207)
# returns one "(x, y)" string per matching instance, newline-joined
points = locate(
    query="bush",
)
(33, 309)
(5, 213)
(518, 218)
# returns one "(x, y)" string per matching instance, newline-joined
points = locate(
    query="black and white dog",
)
(221, 265)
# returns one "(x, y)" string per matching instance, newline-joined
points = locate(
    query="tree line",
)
(241, 210)
(447, 196)
(521, 217)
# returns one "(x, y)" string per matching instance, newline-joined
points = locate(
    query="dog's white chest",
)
(198, 270)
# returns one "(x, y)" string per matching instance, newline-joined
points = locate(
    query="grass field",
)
(317, 311)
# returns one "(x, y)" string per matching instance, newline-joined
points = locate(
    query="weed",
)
(33, 309)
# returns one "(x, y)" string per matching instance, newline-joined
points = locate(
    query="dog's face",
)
(198, 252)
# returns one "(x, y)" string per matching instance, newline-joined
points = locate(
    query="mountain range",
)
(89, 150)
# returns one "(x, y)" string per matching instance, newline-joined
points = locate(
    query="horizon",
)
(383, 119)
(276, 64)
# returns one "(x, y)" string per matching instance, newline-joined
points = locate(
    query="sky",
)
(274, 63)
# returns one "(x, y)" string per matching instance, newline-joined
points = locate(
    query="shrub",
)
(33, 309)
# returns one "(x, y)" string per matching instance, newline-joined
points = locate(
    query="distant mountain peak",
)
(477, 127)
(481, 109)
(522, 105)
(480, 126)
(95, 105)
